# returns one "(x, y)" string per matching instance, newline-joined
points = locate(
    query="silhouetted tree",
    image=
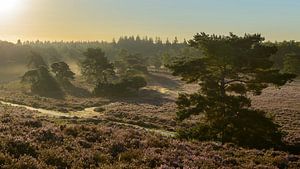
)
(19, 42)
(95, 65)
(156, 61)
(231, 67)
(166, 59)
(42, 83)
(127, 62)
(125, 86)
(291, 64)
(62, 72)
(284, 48)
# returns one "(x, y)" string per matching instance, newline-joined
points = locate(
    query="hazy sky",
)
(105, 19)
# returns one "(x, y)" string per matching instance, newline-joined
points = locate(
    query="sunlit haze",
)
(108, 19)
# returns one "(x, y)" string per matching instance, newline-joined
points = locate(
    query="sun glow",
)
(8, 8)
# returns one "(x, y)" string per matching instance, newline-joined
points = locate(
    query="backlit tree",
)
(231, 68)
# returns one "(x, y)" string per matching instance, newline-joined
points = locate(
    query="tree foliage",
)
(62, 72)
(284, 48)
(291, 64)
(230, 68)
(127, 63)
(96, 67)
(42, 82)
(126, 86)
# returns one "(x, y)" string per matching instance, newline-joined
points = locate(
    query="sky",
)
(68, 20)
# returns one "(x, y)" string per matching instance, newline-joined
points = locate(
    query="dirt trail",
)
(86, 113)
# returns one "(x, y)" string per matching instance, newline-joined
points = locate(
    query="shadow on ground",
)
(77, 91)
(163, 80)
(146, 96)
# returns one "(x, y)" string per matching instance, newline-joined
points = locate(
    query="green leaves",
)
(237, 88)
(190, 71)
(189, 105)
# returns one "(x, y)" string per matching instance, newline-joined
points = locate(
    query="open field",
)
(284, 105)
(85, 143)
(131, 132)
(155, 106)
(141, 84)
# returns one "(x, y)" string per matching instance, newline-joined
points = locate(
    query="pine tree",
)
(95, 66)
(230, 68)
(291, 64)
(42, 82)
(62, 72)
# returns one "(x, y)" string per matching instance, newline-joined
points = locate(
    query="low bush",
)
(33, 123)
(59, 158)
(127, 86)
(18, 147)
(28, 162)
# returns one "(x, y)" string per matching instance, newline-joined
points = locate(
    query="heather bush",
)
(130, 155)
(48, 135)
(71, 131)
(28, 162)
(66, 143)
(101, 158)
(57, 157)
(116, 149)
(5, 159)
(33, 123)
(20, 147)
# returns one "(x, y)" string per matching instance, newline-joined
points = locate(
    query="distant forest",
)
(156, 52)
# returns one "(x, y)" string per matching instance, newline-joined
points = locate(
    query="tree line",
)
(121, 78)
(227, 68)
(157, 52)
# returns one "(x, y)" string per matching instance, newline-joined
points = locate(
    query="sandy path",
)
(86, 113)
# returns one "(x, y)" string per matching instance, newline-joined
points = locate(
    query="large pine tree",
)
(231, 68)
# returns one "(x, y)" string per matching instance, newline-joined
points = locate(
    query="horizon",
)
(117, 39)
(78, 20)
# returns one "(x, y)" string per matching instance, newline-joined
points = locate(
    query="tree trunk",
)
(223, 111)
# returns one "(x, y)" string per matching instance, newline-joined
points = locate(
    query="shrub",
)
(59, 158)
(71, 131)
(28, 162)
(48, 135)
(5, 159)
(116, 149)
(130, 155)
(127, 86)
(33, 123)
(19, 148)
